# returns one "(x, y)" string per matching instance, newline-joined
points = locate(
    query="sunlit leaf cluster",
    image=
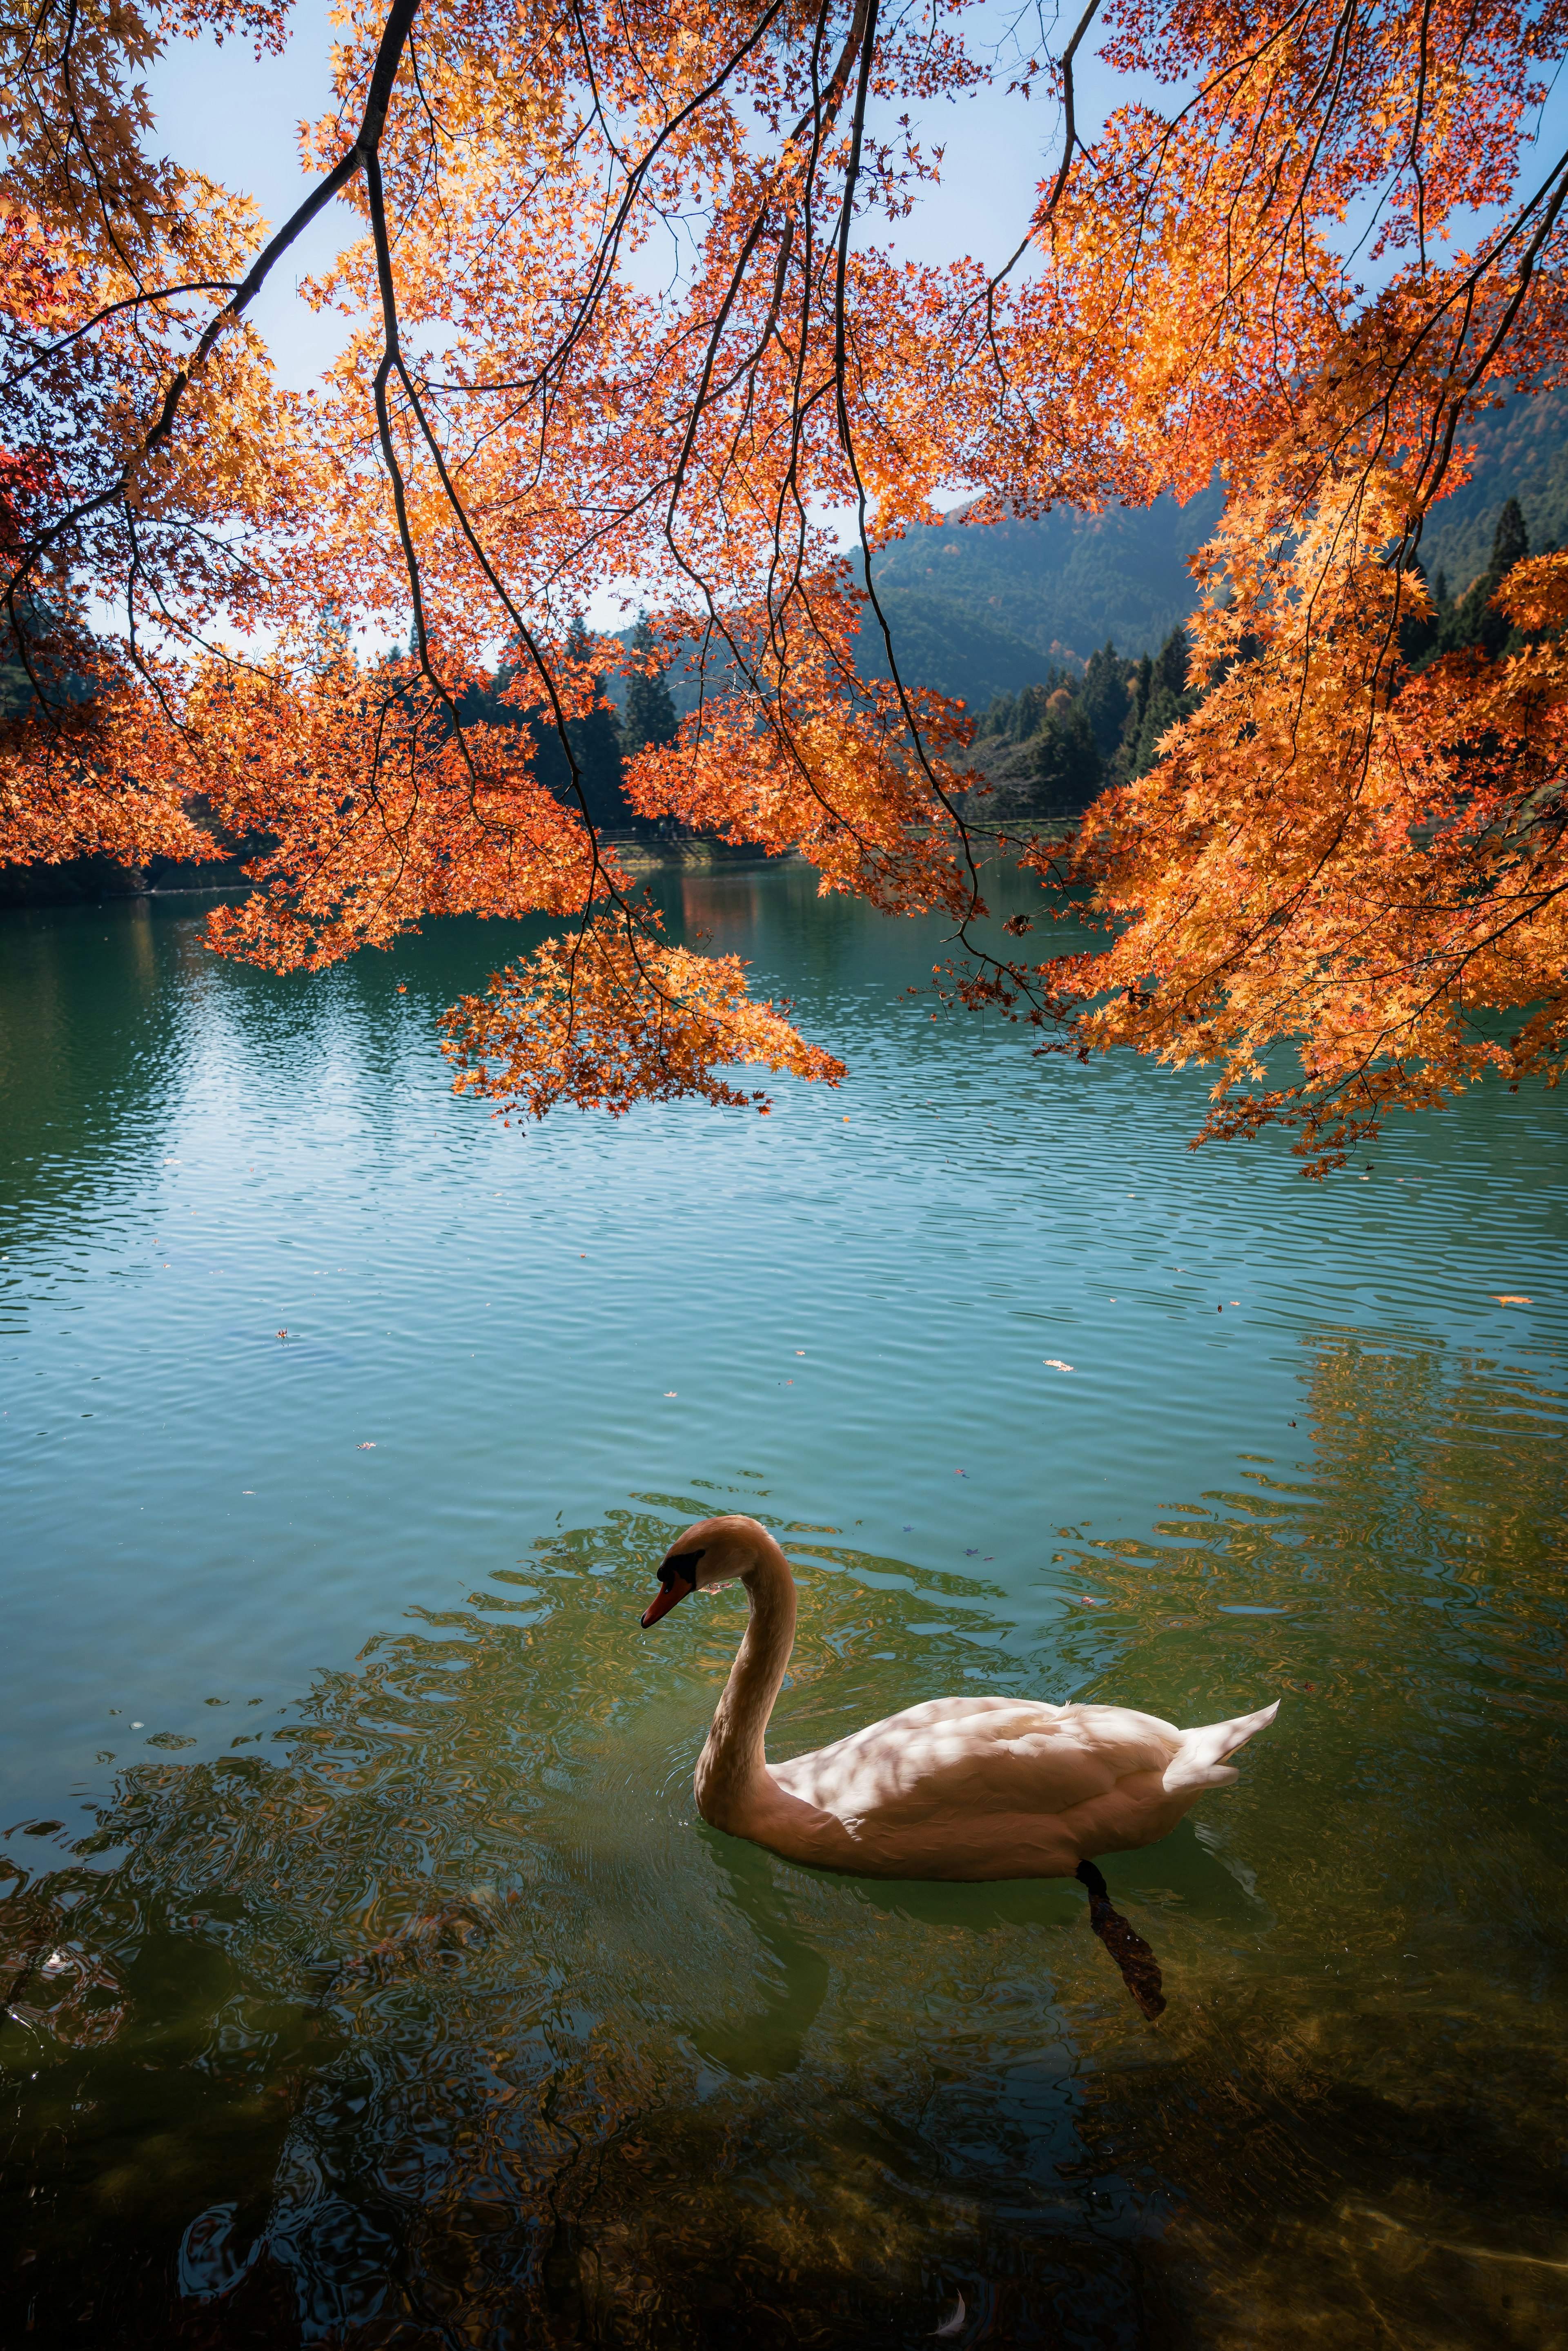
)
(624, 301)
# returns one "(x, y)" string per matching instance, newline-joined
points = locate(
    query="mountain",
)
(979, 609)
(945, 641)
(983, 610)
(986, 612)
(976, 602)
(1046, 752)
(973, 605)
(1522, 453)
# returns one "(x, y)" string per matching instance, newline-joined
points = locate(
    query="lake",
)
(372, 1980)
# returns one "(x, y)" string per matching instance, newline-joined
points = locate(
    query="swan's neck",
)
(731, 1768)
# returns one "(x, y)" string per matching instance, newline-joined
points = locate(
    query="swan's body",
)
(957, 1788)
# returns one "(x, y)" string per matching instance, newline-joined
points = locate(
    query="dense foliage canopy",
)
(1331, 848)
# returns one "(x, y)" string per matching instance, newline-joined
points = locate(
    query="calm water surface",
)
(370, 1977)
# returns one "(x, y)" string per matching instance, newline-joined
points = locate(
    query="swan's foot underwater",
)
(1140, 1969)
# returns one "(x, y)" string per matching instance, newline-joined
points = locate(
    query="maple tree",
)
(1331, 854)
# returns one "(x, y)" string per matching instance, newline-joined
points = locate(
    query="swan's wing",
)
(966, 1757)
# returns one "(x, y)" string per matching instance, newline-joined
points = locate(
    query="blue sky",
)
(997, 149)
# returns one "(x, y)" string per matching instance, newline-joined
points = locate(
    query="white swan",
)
(958, 1788)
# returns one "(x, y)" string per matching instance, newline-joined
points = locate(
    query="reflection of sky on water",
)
(380, 1978)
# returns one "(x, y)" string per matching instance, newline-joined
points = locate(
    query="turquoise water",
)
(372, 1980)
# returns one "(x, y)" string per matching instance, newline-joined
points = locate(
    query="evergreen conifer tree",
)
(1140, 685)
(651, 719)
(1510, 541)
(1028, 715)
(1068, 769)
(1174, 664)
(1107, 694)
(1168, 699)
(596, 746)
(1471, 621)
(997, 717)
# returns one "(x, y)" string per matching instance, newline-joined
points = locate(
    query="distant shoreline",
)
(92, 881)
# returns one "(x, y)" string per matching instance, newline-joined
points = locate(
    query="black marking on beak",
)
(677, 1576)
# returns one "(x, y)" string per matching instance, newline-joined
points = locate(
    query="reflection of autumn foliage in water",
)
(1378, 2072)
(59, 1987)
(441, 2021)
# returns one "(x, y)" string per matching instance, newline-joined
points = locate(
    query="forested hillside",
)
(969, 602)
(983, 609)
(1522, 453)
(1048, 751)
(1010, 616)
(986, 610)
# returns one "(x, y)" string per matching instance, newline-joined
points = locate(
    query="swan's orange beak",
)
(672, 1586)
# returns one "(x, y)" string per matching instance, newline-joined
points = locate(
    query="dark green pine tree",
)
(1174, 664)
(997, 718)
(1106, 693)
(596, 746)
(595, 741)
(1470, 621)
(1169, 698)
(651, 719)
(1140, 687)
(1068, 769)
(1028, 711)
(487, 706)
(1510, 541)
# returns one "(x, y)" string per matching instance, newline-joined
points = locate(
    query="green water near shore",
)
(369, 1980)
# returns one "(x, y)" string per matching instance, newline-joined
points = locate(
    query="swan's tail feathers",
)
(1199, 1761)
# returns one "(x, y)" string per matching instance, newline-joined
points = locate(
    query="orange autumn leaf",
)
(604, 1018)
(1335, 862)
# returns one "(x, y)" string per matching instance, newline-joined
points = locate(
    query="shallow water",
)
(370, 1977)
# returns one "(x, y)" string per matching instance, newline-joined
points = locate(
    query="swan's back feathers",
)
(1200, 1760)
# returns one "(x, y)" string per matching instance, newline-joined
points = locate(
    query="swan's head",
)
(716, 1550)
